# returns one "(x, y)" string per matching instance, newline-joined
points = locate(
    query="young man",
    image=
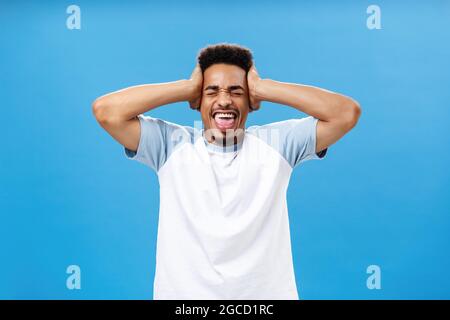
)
(223, 223)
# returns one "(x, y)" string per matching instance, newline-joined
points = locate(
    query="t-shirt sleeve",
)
(300, 141)
(294, 139)
(155, 143)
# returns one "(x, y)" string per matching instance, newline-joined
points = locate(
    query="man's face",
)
(225, 101)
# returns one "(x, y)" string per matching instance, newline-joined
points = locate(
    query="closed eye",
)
(237, 92)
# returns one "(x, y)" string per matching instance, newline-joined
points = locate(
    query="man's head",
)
(225, 95)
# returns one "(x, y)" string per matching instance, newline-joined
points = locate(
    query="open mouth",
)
(225, 119)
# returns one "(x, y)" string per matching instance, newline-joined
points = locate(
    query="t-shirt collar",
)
(217, 148)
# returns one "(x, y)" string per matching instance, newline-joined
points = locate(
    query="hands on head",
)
(196, 80)
(253, 79)
(197, 84)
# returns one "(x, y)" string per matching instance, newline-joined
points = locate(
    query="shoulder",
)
(294, 139)
(282, 128)
(170, 132)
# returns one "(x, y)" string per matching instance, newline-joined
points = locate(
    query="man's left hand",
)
(253, 81)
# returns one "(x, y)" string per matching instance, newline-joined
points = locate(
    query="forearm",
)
(319, 103)
(127, 103)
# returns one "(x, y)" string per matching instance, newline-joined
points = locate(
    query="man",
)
(223, 227)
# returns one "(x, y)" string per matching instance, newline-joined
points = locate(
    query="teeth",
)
(224, 115)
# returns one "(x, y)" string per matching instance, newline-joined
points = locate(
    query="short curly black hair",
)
(227, 53)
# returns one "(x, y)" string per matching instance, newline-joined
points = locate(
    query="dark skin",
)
(230, 88)
(225, 89)
(337, 114)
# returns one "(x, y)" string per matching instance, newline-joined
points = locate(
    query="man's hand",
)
(253, 80)
(196, 81)
(117, 111)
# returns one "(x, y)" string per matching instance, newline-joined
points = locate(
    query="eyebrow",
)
(230, 88)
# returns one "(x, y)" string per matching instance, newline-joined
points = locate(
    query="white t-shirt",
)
(223, 229)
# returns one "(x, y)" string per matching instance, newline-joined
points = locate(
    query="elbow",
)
(98, 109)
(102, 112)
(351, 114)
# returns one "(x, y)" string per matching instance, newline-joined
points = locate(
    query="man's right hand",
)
(117, 111)
(197, 86)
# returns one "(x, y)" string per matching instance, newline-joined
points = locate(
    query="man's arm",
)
(337, 113)
(117, 112)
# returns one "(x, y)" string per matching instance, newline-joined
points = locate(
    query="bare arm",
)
(117, 112)
(337, 113)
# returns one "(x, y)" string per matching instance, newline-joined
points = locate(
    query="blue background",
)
(69, 196)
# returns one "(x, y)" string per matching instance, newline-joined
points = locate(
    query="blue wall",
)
(69, 196)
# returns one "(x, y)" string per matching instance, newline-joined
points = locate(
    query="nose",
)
(224, 98)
